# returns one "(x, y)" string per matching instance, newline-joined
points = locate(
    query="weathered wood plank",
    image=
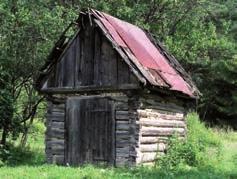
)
(152, 140)
(91, 88)
(152, 147)
(90, 139)
(123, 71)
(59, 125)
(122, 115)
(161, 123)
(97, 61)
(122, 127)
(151, 114)
(55, 142)
(155, 131)
(148, 157)
(120, 51)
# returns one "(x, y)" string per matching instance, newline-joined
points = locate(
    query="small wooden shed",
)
(115, 95)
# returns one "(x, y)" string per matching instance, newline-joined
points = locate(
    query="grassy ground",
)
(30, 163)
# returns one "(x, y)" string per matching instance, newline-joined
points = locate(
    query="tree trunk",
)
(25, 134)
(4, 136)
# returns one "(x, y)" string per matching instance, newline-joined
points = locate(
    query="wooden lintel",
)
(61, 90)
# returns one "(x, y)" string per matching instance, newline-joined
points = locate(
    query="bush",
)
(13, 153)
(192, 151)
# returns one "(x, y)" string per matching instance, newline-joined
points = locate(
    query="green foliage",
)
(192, 151)
(28, 31)
(14, 154)
(6, 102)
(18, 164)
(11, 155)
(200, 33)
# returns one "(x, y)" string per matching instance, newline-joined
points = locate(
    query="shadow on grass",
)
(16, 155)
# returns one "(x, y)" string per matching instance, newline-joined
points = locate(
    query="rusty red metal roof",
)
(133, 38)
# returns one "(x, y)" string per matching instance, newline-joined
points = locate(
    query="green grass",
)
(50, 171)
(30, 163)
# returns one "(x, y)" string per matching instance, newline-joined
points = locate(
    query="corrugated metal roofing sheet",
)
(135, 39)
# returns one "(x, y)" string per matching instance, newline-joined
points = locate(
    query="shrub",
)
(192, 151)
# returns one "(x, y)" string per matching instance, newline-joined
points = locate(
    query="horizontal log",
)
(62, 105)
(159, 131)
(160, 115)
(57, 111)
(150, 164)
(119, 154)
(59, 114)
(57, 147)
(122, 134)
(55, 133)
(59, 118)
(117, 132)
(148, 157)
(122, 143)
(122, 127)
(122, 137)
(58, 151)
(50, 152)
(122, 115)
(124, 149)
(68, 90)
(59, 125)
(151, 140)
(55, 142)
(160, 147)
(58, 159)
(122, 122)
(172, 107)
(161, 123)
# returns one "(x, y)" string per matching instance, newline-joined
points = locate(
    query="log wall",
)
(143, 126)
(55, 138)
(125, 122)
(158, 120)
(126, 132)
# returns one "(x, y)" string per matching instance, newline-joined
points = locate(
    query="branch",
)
(33, 111)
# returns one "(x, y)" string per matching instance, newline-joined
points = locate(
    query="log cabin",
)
(114, 94)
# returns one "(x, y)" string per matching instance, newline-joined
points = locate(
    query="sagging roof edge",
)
(52, 59)
(173, 62)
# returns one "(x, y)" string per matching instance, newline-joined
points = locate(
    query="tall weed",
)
(201, 147)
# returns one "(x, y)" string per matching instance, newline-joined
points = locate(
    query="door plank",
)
(90, 130)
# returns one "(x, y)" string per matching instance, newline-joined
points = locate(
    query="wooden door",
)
(90, 131)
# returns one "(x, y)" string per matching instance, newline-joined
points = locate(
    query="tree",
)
(200, 33)
(28, 30)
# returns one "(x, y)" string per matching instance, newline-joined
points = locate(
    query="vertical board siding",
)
(90, 134)
(97, 55)
(90, 61)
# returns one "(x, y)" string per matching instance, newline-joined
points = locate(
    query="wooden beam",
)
(60, 90)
